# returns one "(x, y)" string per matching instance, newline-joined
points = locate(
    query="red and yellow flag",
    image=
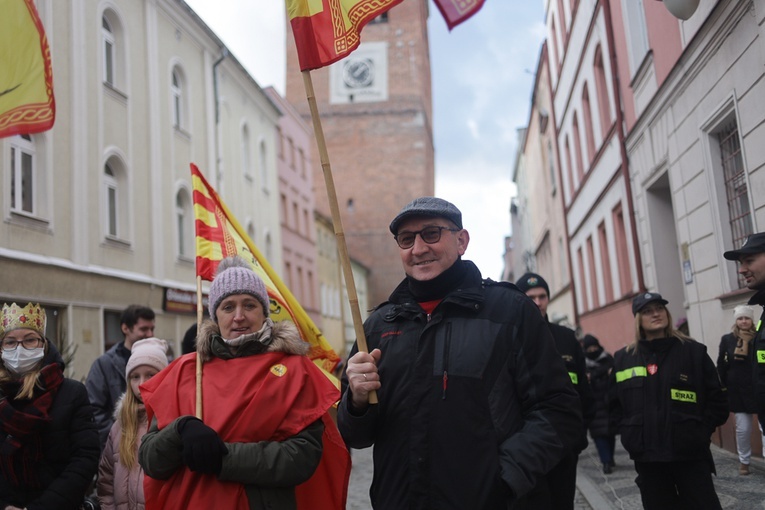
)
(457, 11)
(26, 77)
(328, 30)
(219, 235)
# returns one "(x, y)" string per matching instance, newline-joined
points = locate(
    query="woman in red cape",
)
(266, 440)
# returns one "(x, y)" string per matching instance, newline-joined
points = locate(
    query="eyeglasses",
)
(430, 235)
(27, 343)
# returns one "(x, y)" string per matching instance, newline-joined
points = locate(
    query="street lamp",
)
(682, 9)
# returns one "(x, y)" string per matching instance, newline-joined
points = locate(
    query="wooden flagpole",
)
(200, 312)
(337, 223)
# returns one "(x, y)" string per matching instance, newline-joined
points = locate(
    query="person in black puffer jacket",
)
(49, 444)
(669, 400)
(734, 364)
(599, 366)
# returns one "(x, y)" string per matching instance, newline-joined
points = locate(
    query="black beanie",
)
(589, 341)
(531, 280)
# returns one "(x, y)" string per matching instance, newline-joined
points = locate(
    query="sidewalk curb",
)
(591, 492)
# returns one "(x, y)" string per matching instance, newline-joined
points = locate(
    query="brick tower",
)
(376, 112)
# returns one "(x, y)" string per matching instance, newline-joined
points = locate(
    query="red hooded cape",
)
(265, 397)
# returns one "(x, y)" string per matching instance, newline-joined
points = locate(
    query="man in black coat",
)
(751, 265)
(474, 404)
(562, 479)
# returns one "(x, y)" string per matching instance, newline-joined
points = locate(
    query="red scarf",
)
(265, 397)
(21, 423)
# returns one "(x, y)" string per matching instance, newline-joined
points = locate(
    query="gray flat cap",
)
(427, 206)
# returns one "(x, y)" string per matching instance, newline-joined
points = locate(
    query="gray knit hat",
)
(427, 206)
(235, 276)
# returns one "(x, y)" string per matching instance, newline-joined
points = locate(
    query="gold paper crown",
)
(31, 317)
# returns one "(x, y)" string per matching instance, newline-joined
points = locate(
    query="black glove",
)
(203, 449)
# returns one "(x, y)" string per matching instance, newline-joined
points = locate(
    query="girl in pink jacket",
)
(120, 477)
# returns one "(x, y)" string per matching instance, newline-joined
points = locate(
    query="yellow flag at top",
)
(219, 235)
(26, 77)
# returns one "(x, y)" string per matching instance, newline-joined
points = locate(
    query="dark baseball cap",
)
(754, 243)
(427, 206)
(639, 301)
(530, 281)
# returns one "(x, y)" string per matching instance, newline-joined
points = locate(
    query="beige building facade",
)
(97, 213)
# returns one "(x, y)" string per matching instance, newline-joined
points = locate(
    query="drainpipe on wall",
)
(218, 171)
(622, 141)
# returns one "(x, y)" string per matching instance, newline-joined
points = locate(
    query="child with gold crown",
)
(48, 442)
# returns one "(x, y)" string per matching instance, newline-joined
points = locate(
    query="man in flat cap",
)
(475, 405)
(751, 265)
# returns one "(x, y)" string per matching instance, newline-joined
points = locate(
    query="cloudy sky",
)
(482, 79)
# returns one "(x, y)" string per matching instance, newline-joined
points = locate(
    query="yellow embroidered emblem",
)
(279, 370)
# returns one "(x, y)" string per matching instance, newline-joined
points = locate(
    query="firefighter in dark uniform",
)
(667, 401)
(561, 480)
(751, 265)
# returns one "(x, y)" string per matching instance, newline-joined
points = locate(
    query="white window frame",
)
(184, 225)
(109, 43)
(22, 145)
(111, 201)
(176, 91)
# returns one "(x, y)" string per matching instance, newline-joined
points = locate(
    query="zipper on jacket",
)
(446, 359)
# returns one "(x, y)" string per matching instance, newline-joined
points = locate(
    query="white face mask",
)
(20, 361)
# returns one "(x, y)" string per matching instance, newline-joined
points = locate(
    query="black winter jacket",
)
(759, 359)
(598, 371)
(573, 357)
(475, 404)
(736, 376)
(70, 451)
(669, 400)
(106, 384)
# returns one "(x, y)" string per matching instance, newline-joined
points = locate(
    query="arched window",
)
(113, 50)
(115, 204)
(569, 168)
(588, 134)
(555, 48)
(263, 160)
(601, 89)
(112, 200)
(551, 167)
(578, 150)
(179, 99)
(184, 223)
(269, 248)
(251, 232)
(109, 48)
(246, 153)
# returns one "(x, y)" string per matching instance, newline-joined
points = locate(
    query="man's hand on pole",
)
(363, 377)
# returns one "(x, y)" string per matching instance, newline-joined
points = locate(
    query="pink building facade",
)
(299, 251)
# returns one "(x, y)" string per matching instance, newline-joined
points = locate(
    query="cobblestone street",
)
(596, 491)
(361, 479)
